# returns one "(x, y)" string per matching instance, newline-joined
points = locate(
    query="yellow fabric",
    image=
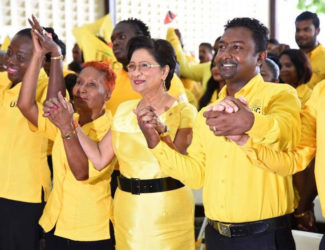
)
(304, 93)
(24, 170)
(312, 141)
(123, 90)
(92, 47)
(199, 72)
(234, 189)
(79, 210)
(317, 58)
(5, 44)
(162, 220)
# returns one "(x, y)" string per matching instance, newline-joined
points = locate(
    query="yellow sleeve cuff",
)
(260, 127)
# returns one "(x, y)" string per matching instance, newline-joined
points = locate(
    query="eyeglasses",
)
(142, 66)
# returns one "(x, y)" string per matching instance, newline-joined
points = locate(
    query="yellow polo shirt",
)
(123, 90)
(199, 72)
(79, 210)
(317, 59)
(235, 189)
(24, 170)
(312, 141)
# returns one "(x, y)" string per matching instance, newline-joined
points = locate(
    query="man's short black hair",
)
(260, 32)
(207, 45)
(307, 15)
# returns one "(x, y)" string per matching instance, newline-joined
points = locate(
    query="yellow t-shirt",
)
(312, 141)
(317, 59)
(199, 72)
(234, 189)
(24, 170)
(123, 90)
(161, 220)
(79, 210)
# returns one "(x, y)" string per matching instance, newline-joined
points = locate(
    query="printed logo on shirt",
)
(257, 109)
(13, 104)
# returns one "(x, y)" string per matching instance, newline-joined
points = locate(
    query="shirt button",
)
(226, 156)
(222, 181)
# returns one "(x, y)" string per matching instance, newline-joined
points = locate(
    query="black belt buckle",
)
(135, 186)
(224, 229)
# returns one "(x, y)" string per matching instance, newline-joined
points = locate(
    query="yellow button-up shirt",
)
(312, 141)
(79, 210)
(234, 188)
(317, 59)
(23, 170)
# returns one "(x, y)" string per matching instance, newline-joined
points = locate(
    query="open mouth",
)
(11, 71)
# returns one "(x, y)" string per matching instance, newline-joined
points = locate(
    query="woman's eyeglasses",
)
(142, 66)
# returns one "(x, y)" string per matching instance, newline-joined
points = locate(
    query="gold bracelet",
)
(69, 135)
(57, 57)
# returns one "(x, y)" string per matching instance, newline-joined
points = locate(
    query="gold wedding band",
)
(214, 128)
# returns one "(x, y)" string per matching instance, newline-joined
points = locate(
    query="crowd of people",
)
(103, 155)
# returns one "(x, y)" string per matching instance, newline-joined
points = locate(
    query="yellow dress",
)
(162, 220)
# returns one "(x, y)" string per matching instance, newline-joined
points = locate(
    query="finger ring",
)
(214, 128)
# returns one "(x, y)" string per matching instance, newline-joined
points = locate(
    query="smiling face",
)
(149, 79)
(215, 71)
(122, 33)
(90, 91)
(18, 56)
(236, 58)
(306, 34)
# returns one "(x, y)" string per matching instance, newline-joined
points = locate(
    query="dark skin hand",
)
(223, 123)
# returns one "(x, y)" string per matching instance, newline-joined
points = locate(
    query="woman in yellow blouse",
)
(296, 71)
(77, 213)
(151, 210)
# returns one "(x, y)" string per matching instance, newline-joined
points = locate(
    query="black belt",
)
(250, 228)
(137, 186)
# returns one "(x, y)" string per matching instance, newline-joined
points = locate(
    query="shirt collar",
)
(244, 90)
(316, 51)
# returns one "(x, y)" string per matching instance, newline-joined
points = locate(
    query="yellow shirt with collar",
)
(123, 90)
(24, 170)
(312, 142)
(317, 59)
(304, 93)
(79, 210)
(234, 188)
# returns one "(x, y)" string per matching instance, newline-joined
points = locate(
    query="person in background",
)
(271, 44)
(214, 86)
(77, 59)
(296, 71)
(270, 71)
(307, 30)
(25, 176)
(216, 45)
(205, 52)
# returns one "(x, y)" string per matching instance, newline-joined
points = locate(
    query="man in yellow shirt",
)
(25, 176)
(307, 30)
(248, 207)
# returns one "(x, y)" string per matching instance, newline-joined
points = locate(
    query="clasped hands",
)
(60, 112)
(231, 118)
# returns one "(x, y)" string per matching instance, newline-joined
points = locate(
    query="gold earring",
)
(164, 84)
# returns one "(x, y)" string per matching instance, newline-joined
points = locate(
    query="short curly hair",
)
(141, 28)
(259, 30)
(109, 80)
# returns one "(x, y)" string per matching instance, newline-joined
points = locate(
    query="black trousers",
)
(53, 242)
(19, 229)
(280, 239)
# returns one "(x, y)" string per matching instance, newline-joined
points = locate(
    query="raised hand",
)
(42, 41)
